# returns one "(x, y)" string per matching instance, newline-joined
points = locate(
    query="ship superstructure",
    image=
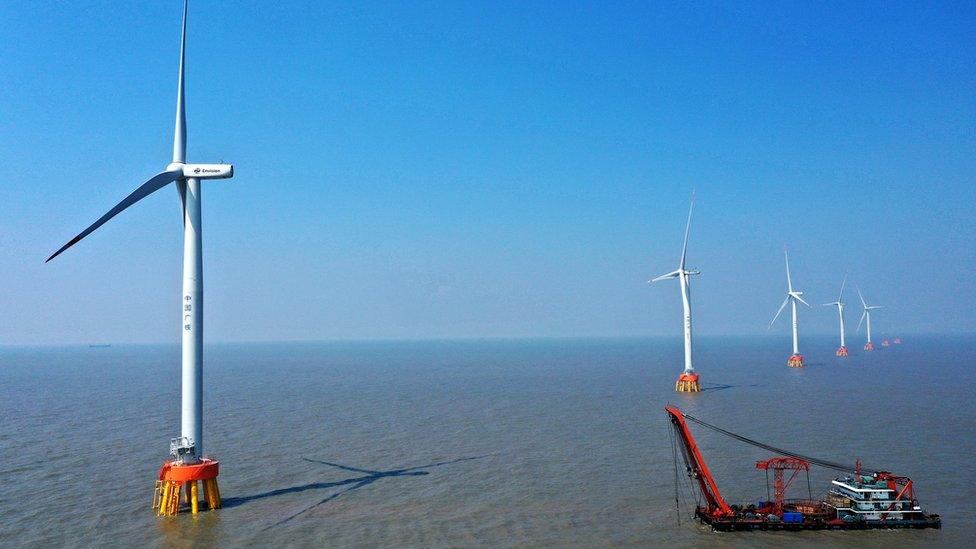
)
(881, 496)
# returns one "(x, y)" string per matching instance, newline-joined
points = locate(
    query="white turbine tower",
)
(842, 350)
(792, 296)
(188, 464)
(688, 380)
(869, 346)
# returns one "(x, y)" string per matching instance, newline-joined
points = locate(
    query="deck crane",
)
(778, 465)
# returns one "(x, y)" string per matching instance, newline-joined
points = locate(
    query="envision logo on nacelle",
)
(208, 171)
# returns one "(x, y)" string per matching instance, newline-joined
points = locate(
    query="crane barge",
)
(854, 502)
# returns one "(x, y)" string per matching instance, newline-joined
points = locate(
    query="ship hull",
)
(726, 524)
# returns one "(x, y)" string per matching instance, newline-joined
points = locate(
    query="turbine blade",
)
(862, 297)
(789, 279)
(842, 284)
(157, 182)
(800, 299)
(864, 314)
(181, 192)
(684, 248)
(781, 307)
(672, 274)
(179, 134)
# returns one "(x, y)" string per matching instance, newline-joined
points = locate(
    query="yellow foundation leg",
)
(177, 488)
(194, 497)
(167, 504)
(687, 386)
(163, 500)
(206, 493)
(214, 501)
(216, 491)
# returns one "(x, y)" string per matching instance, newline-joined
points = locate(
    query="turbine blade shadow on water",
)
(369, 476)
(707, 387)
(346, 467)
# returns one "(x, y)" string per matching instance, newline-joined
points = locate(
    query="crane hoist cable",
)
(816, 461)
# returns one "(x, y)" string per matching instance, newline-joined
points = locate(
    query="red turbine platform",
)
(174, 477)
(687, 383)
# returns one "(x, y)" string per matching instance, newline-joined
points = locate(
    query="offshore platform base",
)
(842, 351)
(869, 346)
(187, 476)
(795, 361)
(687, 383)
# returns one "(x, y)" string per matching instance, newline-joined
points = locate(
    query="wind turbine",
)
(792, 296)
(869, 346)
(188, 464)
(842, 350)
(688, 380)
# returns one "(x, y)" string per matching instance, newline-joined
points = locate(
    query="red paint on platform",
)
(207, 468)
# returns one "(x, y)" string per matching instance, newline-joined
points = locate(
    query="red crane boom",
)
(696, 465)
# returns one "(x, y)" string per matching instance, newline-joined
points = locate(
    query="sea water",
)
(460, 443)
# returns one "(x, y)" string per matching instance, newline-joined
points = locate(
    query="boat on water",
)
(855, 501)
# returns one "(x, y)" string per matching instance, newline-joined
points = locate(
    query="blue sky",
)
(422, 170)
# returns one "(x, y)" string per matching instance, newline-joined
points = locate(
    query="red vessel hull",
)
(739, 523)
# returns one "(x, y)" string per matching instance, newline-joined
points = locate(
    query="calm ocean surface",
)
(500, 443)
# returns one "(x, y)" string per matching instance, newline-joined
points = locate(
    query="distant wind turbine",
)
(688, 380)
(869, 346)
(842, 350)
(188, 464)
(792, 296)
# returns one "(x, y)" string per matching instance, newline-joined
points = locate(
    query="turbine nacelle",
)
(796, 295)
(202, 171)
(676, 274)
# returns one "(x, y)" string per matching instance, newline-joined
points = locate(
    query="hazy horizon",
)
(853, 340)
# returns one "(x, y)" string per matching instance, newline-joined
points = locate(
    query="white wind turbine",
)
(188, 449)
(792, 296)
(842, 350)
(869, 346)
(688, 380)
